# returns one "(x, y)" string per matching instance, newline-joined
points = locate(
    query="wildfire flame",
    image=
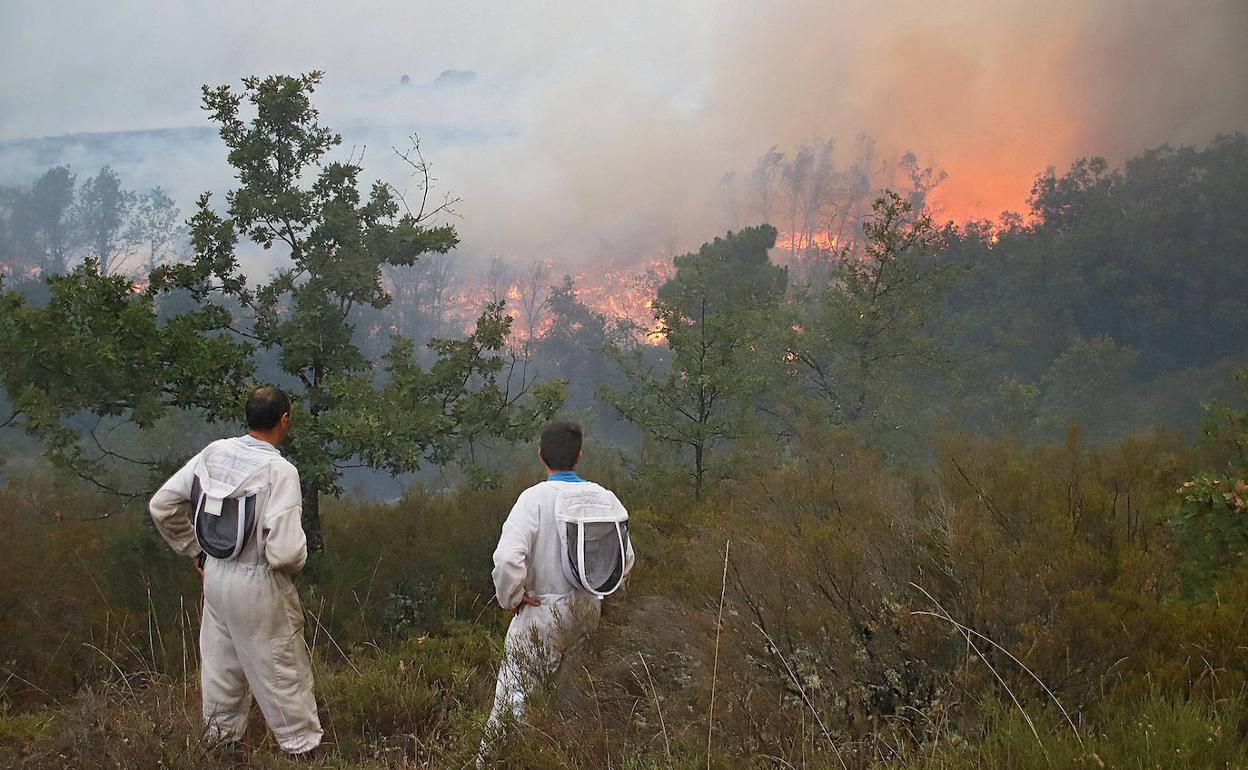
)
(15, 269)
(800, 243)
(621, 294)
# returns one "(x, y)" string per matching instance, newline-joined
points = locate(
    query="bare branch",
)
(115, 455)
(415, 159)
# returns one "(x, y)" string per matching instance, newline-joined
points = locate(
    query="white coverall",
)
(528, 560)
(252, 629)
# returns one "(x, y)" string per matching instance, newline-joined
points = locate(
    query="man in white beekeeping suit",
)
(246, 535)
(563, 548)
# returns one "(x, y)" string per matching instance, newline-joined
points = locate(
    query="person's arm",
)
(165, 509)
(285, 544)
(514, 545)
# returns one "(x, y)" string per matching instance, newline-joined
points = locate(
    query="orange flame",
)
(622, 294)
(820, 241)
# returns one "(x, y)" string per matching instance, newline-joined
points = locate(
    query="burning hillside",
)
(622, 294)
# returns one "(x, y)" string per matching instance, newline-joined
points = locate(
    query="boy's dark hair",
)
(561, 443)
(265, 407)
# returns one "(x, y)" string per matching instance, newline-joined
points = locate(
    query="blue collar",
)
(564, 476)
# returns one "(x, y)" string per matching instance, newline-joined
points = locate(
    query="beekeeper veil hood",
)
(227, 480)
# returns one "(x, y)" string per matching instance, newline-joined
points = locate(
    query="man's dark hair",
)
(561, 443)
(265, 408)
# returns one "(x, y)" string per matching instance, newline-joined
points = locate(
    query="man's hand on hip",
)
(525, 600)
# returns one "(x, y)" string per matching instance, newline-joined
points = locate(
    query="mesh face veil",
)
(593, 535)
(228, 478)
(223, 534)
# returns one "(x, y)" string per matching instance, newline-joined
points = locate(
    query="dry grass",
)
(803, 646)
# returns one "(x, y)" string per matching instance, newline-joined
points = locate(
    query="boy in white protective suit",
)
(563, 548)
(246, 534)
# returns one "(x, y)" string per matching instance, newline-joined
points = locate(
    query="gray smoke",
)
(586, 131)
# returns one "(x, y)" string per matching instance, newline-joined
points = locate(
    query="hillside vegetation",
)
(928, 496)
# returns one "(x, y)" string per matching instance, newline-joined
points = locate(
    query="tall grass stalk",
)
(719, 626)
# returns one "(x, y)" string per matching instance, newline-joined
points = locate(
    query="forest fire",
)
(802, 242)
(622, 295)
(915, 323)
(11, 269)
(625, 294)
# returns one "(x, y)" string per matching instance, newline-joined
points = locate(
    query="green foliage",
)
(1214, 516)
(82, 586)
(576, 346)
(404, 569)
(22, 727)
(1060, 554)
(1077, 382)
(419, 687)
(1151, 732)
(873, 335)
(419, 414)
(716, 315)
(98, 349)
(155, 226)
(871, 612)
(1137, 255)
(338, 242)
(119, 352)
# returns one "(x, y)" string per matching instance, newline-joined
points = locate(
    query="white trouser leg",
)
(264, 619)
(222, 683)
(537, 639)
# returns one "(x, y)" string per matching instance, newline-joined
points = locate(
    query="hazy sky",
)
(608, 124)
(92, 66)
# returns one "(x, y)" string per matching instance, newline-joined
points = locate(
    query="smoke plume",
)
(600, 131)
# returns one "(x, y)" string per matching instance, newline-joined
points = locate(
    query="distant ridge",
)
(108, 137)
(111, 139)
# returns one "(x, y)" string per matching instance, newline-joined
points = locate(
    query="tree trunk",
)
(698, 470)
(312, 519)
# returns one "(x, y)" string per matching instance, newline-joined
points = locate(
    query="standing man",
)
(563, 548)
(246, 535)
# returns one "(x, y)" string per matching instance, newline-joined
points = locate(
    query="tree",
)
(715, 314)
(155, 226)
(762, 182)
(103, 211)
(851, 198)
(874, 327)
(1213, 517)
(337, 242)
(922, 180)
(99, 350)
(38, 226)
(51, 202)
(575, 346)
(97, 353)
(575, 332)
(432, 415)
(499, 279)
(533, 299)
(420, 293)
(796, 174)
(1140, 254)
(419, 311)
(12, 258)
(824, 201)
(1080, 386)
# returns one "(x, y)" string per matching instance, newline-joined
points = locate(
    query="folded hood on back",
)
(228, 465)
